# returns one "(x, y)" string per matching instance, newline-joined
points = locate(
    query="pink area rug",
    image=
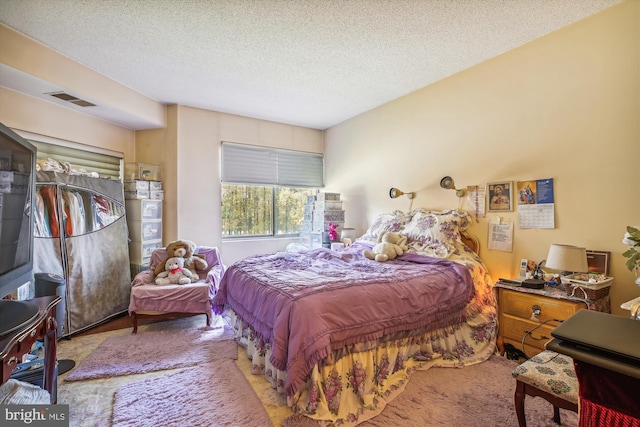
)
(212, 394)
(474, 396)
(150, 351)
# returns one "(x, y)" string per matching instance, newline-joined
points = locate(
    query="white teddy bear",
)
(390, 245)
(175, 273)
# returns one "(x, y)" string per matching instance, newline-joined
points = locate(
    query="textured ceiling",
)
(311, 63)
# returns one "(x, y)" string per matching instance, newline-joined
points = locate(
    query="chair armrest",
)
(214, 276)
(145, 277)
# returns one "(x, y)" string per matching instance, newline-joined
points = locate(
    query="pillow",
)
(394, 221)
(434, 233)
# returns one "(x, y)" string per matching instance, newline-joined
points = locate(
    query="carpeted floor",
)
(155, 351)
(480, 395)
(474, 396)
(211, 394)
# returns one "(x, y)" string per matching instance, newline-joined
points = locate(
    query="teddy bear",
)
(184, 249)
(389, 246)
(175, 273)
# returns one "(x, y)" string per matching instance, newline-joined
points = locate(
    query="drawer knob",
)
(535, 312)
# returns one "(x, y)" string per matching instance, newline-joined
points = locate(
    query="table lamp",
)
(569, 259)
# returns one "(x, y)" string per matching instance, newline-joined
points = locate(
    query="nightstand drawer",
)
(520, 304)
(516, 328)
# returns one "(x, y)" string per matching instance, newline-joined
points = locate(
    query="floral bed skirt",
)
(355, 383)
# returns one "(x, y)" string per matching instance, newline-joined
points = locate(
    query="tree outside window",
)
(262, 210)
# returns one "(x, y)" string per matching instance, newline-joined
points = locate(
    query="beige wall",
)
(190, 149)
(566, 106)
(29, 114)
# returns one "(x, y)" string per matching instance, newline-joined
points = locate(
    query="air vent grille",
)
(72, 99)
(83, 103)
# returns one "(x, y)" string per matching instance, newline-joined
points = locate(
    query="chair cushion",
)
(190, 298)
(550, 372)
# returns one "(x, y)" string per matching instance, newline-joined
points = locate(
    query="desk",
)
(605, 351)
(18, 343)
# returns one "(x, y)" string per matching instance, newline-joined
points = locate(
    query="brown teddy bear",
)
(184, 249)
(390, 245)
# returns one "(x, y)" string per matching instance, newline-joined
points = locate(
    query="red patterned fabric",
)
(607, 398)
(595, 415)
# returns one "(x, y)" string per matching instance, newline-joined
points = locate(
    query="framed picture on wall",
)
(598, 262)
(500, 196)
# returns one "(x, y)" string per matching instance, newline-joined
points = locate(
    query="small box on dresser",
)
(136, 185)
(328, 196)
(137, 194)
(141, 171)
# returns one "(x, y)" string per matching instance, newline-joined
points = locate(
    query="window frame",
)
(276, 178)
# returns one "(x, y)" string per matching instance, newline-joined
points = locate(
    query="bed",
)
(340, 334)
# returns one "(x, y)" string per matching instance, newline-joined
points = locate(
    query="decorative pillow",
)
(435, 233)
(394, 222)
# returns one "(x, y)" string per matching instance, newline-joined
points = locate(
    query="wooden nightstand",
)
(531, 312)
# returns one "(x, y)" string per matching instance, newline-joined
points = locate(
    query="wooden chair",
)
(551, 376)
(173, 301)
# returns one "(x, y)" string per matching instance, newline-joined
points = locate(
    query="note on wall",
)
(501, 236)
(536, 204)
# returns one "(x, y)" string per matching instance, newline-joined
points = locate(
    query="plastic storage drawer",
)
(144, 209)
(145, 231)
(140, 253)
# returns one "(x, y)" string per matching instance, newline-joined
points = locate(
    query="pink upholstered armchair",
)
(171, 301)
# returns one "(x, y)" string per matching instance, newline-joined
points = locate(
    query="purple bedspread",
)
(308, 304)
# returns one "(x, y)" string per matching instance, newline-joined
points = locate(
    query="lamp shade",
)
(349, 233)
(567, 258)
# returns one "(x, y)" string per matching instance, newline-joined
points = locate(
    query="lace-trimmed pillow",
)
(434, 233)
(394, 221)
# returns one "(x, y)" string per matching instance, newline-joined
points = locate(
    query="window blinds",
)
(248, 164)
(104, 164)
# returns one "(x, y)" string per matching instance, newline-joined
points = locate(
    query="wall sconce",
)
(448, 184)
(394, 193)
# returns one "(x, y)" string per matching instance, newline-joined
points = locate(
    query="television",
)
(17, 193)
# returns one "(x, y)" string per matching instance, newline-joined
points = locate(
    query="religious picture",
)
(526, 192)
(500, 196)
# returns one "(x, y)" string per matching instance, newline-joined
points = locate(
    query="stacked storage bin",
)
(144, 219)
(307, 222)
(144, 195)
(327, 208)
(318, 212)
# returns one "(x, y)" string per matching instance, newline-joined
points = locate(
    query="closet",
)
(81, 235)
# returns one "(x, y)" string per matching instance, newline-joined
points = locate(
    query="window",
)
(264, 190)
(80, 157)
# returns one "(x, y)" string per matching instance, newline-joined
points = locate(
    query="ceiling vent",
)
(72, 99)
